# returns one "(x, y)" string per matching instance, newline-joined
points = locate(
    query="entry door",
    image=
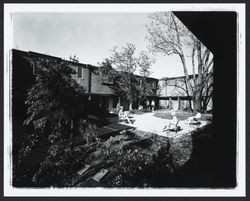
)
(105, 103)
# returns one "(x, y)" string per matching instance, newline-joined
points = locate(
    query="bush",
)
(88, 131)
(136, 164)
(59, 168)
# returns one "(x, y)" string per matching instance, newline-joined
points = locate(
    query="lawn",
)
(181, 115)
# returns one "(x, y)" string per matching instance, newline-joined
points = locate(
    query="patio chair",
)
(173, 127)
(100, 175)
(124, 116)
(194, 120)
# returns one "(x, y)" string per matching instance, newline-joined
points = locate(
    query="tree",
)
(145, 62)
(121, 67)
(125, 63)
(203, 82)
(168, 35)
(74, 58)
(108, 72)
(51, 112)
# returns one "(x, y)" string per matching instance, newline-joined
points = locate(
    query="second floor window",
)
(79, 72)
(154, 84)
(107, 79)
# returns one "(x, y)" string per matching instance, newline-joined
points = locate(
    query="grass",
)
(181, 115)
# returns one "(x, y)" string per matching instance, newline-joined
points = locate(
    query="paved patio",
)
(149, 123)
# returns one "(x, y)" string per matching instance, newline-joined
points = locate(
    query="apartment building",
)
(98, 86)
(175, 94)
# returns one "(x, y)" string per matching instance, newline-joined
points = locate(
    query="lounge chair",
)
(84, 169)
(99, 175)
(124, 116)
(194, 120)
(172, 127)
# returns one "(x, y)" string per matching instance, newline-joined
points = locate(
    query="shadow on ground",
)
(197, 171)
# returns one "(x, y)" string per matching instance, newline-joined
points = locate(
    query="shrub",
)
(136, 164)
(88, 131)
(59, 167)
(50, 115)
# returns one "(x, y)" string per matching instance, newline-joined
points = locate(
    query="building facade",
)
(99, 97)
(98, 86)
(175, 94)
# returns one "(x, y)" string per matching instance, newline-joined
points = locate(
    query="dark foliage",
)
(137, 164)
(52, 118)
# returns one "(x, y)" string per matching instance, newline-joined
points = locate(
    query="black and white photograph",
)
(124, 99)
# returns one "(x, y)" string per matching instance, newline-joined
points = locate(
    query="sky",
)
(89, 36)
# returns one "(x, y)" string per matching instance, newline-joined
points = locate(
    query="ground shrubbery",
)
(52, 118)
(58, 169)
(61, 163)
(137, 162)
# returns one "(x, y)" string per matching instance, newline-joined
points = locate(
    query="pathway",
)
(149, 123)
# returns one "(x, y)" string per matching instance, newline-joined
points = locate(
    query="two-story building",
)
(99, 93)
(99, 97)
(175, 94)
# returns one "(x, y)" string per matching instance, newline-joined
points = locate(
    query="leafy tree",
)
(203, 83)
(51, 112)
(145, 62)
(125, 62)
(121, 67)
(168, 35)
(108, 72)
(74, 58)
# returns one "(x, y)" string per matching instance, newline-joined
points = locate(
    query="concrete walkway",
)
(149, 123)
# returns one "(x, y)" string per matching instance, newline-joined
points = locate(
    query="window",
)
(79, 72)
(154, 84)
(106, 79)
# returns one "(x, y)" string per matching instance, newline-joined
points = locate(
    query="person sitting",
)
(194, 120)
(124, 116)
(173, 124)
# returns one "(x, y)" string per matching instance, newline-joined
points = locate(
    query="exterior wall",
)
(83, 81)
(22, 73)
(97, 86)
(22, 79)
(100, 87)
(154, 84)
(175, 104)
(168, 88)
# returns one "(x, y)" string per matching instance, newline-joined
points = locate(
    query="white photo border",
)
(239, 191)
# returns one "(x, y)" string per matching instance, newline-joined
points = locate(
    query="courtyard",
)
(154, 122)
(117, 123)
(183, 154)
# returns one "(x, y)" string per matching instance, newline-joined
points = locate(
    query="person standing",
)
(148, 104)
(153, 105)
